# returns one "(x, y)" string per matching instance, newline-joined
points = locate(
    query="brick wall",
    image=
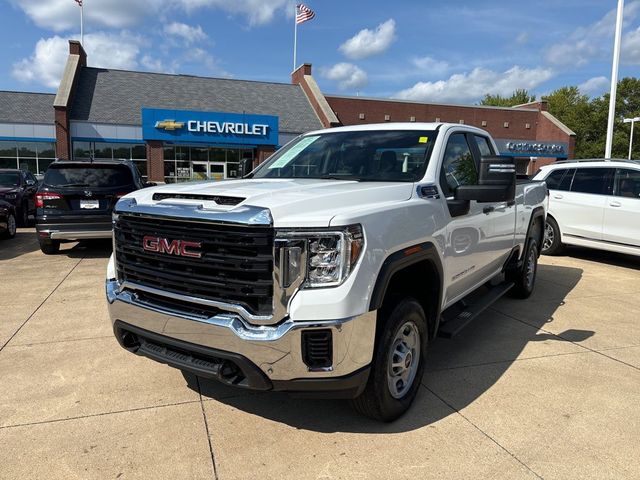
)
(63, 147)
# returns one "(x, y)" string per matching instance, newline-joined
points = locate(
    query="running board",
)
(473, 307)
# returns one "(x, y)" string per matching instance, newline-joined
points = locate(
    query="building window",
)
(484, 123)
(461, 122)
(361, 116)
(527, 126)
(505, 124)
(387, 117)
(437, 119)
(183, 163)
(412, 119)
(34, 157)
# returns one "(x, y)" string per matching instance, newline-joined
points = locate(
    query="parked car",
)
(593, 203)
(329, 268)
(7, 220)
(76, 199)
(18, 187)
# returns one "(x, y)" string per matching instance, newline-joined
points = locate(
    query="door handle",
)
(615, 204)
(488, 210)
(558, 196)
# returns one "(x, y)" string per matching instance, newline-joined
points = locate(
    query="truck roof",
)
(397, 126)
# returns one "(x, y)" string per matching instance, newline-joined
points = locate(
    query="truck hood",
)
(292, 202)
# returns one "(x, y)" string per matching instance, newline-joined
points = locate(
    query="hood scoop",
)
(219, 199)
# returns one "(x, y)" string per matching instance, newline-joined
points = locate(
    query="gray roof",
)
(116, 97)
(24, 107)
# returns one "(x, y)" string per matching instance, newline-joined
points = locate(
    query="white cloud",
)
(471, 87)
(61, 15)
(346, 74)
(46, 64)
(185, 32)
(431, 66)
(594, 41)
(367, 42)
(259, 12)
(595, 86)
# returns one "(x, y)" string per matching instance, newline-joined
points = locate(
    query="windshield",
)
(9, 179)
(88, 176)
(380, 155)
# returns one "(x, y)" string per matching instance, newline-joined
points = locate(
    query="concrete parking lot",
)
(543, 388)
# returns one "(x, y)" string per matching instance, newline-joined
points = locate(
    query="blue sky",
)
(453, 52)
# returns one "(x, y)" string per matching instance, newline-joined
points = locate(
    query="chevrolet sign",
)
(209, 127)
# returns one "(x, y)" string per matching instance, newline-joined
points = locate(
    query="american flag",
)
(303, 13)
(79, 2)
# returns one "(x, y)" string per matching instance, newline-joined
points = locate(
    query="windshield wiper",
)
(340, 177)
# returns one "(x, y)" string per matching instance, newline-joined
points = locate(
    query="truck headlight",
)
(330, 255)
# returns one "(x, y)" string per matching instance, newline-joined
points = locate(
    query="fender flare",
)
(402, 259)
(537, 213)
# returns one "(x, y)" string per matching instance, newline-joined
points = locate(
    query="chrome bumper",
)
(275, 350)
(80, 235)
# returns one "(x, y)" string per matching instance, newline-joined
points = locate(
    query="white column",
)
(614, 79)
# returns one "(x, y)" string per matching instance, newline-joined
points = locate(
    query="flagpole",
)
(295, 37)
(82, 24)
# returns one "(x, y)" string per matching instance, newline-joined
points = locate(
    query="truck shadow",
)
(23, 243)
(497, 338)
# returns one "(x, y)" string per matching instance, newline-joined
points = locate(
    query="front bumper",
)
(268, 357)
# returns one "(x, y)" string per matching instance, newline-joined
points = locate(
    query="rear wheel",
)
(551, 245)
(398, 364)
(10, 232)
(50, 247)
(524, 278)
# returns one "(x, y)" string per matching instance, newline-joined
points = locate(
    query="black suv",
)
(18, 188)
(76, 199)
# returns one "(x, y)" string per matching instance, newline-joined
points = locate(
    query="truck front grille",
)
(236, 265)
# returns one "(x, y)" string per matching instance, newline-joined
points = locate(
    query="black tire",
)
(524, 278)
(377, 401)
(50, 247)
(551, 244)
(23, 216)
(10, 232)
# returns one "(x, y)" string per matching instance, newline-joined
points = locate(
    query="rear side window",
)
(592, 180)
(100, 176)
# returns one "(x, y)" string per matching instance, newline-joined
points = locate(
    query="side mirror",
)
(496, 181)
(246, 165)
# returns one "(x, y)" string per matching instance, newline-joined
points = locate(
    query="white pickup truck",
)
(328, 269)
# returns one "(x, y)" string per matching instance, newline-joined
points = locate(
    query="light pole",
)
(632, 121)
(614, 79)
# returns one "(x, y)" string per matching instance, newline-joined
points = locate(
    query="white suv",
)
(593, 203)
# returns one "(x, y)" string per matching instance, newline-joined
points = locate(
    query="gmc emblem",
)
(179, 248)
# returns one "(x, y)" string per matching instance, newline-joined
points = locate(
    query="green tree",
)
(518, 97)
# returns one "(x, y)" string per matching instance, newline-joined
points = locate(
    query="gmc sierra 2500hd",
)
(329, 268)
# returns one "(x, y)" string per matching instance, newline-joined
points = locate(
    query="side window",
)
(458, 166)
(554, 179)
(627, 183)
(484, 146)
(565, 184)
(592, 180)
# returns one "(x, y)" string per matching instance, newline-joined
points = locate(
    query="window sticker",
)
(423, 139)
(293, 152)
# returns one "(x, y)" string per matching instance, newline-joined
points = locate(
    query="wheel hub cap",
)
(403, 361)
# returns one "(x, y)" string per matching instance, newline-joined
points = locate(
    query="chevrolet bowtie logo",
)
(169, 125)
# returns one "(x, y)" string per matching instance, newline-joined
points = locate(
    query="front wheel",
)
(10, 232)
(551, 245)
(524, 278)
(398, 364)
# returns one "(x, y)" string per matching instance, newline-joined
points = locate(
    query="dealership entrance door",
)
(208, 171)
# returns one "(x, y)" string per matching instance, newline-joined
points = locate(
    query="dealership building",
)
(181, 127)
